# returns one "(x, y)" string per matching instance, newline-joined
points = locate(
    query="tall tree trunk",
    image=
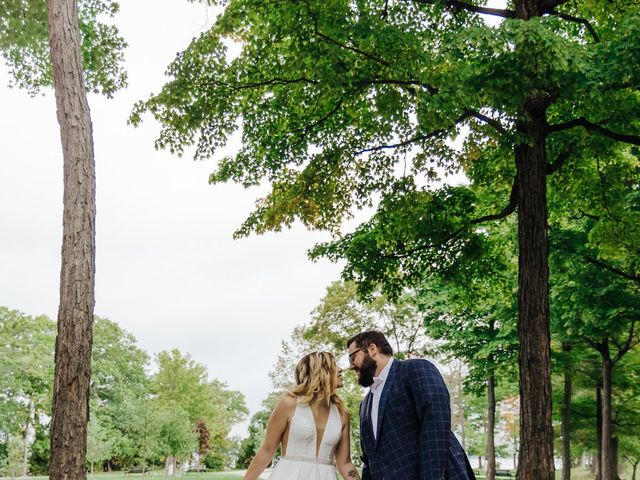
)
(566, 415)
(613, 458)
(599, 432)
(491, 420)
(536, 431)
(70, 412)
(536, 461)
(606, 469)
(25, 451)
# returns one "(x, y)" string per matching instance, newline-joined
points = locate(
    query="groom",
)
(405, 418)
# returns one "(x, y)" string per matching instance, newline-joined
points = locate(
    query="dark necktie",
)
(368, 408)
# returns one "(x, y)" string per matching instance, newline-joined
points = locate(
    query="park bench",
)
(506, 473)
(197, 469)
(137, 469)
(481, 473)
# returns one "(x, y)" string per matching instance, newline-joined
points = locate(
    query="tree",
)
(594, 236)
(46, 43)
(176, 436)
(183, 383)
(119, 382)
(99, 446)
(339, 102)
(473, 314)
(26, 347)
(70, 412)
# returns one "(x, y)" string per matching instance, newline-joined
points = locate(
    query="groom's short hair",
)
(364, 339)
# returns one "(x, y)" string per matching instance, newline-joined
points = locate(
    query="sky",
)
(167, 268)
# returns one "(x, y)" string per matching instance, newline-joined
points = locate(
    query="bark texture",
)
(536, 461)
(536, 432)
(566, 417)
(70, 410)
(491, 420)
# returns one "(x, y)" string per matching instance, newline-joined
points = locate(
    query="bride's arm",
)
(275, 430)
(343, 453)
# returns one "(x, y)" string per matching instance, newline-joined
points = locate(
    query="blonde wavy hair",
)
(317, 380)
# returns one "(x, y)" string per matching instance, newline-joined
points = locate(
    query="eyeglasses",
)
(352, 354)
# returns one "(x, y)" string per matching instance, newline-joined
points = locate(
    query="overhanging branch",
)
(441, 131)
(506, 211)
(598, 263)
(497, 12)
(583, 122)
(342, 45)
(488, 120)
(583, 21)
(557, 165)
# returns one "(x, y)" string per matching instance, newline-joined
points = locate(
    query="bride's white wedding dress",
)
(303, 459)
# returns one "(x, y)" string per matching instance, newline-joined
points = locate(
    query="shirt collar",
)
(384, 373)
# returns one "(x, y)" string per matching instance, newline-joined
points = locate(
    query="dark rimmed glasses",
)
(352, 354)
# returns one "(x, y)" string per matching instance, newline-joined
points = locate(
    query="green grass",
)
(157, 475)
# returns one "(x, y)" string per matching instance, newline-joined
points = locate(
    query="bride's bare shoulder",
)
(286, 405)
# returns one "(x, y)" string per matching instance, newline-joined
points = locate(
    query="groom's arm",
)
(433, 408)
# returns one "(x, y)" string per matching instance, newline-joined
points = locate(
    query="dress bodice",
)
(302, 441)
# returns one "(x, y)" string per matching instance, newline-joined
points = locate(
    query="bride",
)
(312, 425)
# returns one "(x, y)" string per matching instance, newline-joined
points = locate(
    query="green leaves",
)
(413, 233)
(24, 45)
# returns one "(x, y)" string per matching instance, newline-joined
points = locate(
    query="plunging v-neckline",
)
(315, 425)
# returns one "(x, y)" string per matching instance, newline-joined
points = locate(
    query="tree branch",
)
(497, 12)
(598, 263)
(341, 45)
(549, 5)
(583, 122)
(583, 21)
(435, 133)
(488, 120)
(555, 166)
(506, 211)
(389, 81)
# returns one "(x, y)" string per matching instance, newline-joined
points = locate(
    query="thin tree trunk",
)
(25, 451)
(70, 410)
(491, 420)
(599, 432)
(606, 468)
(566, 416)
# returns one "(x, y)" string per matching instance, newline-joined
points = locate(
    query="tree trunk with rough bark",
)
(536, 461)
(70, 411)
(606, 469)
(536, 432)
(566, 417)
(491, 421)
(598, 459)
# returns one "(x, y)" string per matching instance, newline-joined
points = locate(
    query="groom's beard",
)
(367, 371)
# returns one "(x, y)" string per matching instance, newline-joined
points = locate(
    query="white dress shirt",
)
(376, 391)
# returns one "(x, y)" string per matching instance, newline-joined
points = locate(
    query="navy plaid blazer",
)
(414, 441)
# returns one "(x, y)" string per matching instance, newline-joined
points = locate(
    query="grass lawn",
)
(158, 475)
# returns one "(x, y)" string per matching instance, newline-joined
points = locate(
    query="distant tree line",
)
(175, 415)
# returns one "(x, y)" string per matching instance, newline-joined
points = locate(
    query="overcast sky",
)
(168, 270)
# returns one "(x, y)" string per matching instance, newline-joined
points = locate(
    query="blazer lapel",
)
(384, 397)
(365, 421)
